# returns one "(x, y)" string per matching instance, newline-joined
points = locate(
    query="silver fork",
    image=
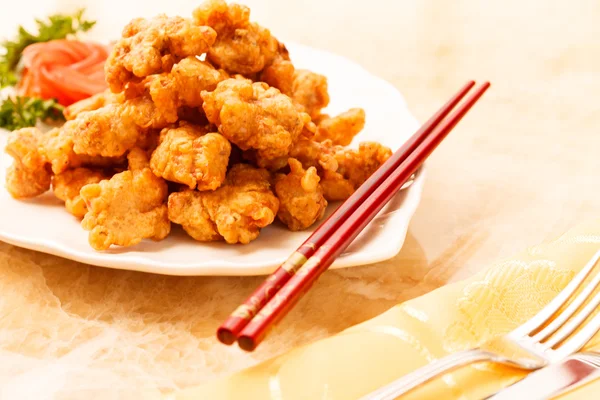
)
(527, 347)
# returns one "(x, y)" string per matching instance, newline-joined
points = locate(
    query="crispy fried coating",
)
(152, 46)
(115, 128)
(103, 132)
(188, 154)
(92, 103)
(309, 152)
(320, 118)
(66, 187)
(187, 209)
(127, 208)
(280, 74)
(182, 86)
(335, 186)
(221, 16)
(144, 113)
(301, 201)
(244, 204)
(310, 91)
(358, 165)
(255, 116)
(341, 170)
(57, 147)
(235, 212)
(342, 128)
(29, 174)
(316, 154)
(354, 168)
(241, 46)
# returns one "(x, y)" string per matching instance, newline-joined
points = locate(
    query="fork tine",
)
(573, 324)
(580, 339)
(568, 312)
(547, 312)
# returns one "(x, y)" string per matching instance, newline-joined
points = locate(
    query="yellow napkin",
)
(452, 318)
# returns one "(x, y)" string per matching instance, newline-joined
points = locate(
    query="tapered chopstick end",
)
(247, 343)
(225, 336)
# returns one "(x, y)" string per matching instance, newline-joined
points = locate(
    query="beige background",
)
(521, 168)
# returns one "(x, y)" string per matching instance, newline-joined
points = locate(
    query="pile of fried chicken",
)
(207, 124)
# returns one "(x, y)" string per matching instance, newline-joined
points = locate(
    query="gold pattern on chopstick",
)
(310, 245)
(291, 265)
(308, 266)
(246, 311)
(273, 304)
(283, 295)
(294, 262)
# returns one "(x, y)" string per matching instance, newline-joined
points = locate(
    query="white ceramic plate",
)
(42, 224)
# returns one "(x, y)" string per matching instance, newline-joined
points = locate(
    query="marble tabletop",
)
(521, 168)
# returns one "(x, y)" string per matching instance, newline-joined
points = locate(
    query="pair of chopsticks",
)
(272, 300)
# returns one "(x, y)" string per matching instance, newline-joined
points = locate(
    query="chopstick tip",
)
(225, 336)
(469, 85)
(246, 343)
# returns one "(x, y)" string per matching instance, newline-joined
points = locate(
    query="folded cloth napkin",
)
(452, 318)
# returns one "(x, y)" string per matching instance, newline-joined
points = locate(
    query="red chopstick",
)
(230, 329)
(323, 257)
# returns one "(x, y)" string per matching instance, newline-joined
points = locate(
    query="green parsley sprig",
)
(7, 77)
(21, 112)
(57, 26)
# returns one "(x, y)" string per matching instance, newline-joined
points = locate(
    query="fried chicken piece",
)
(127, 208)
(144, 113)
(115, 128)
(341, 170)
(152, 46)
(320, 118)
(57, 147)
(358, 165)
(280, 74)
(342, 128)
(66, 187)
(95, 102)
(183, 85)
(241, 46)
(222, 16)
(244, 204)
(354, 168)
(309, 152)
(188, 154)
(103, 132)
(301, 201)
(315, 154)
(310, 91)
(255, 116)
(235, 212)
(29, 175)
(335, 186)
(187, 209)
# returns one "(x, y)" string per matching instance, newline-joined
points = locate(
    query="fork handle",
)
(410, 381)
